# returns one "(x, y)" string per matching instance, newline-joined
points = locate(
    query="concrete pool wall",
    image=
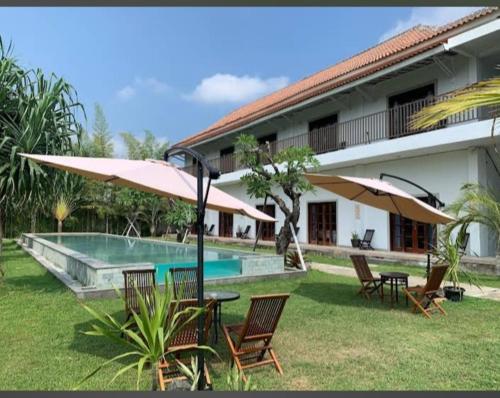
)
(84, 274)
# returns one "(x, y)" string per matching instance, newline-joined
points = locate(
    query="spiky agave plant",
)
(147, 344)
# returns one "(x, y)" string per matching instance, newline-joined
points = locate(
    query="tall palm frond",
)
(482, 94)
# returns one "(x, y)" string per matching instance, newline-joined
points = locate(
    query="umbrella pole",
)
(200, 219)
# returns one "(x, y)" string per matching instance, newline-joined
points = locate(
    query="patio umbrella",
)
(153, 176)
(380, 194)
(164, 179)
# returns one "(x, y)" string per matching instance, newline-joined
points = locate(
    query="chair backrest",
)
(185, 282)
(262, 317)
(211, 228)
(361, 267)
(368, 235)
(465, 242)
(144, 281)
(189, 334)
(435, 278)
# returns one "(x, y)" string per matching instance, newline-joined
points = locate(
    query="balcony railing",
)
(384, 125)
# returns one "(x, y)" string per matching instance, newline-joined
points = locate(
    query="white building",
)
(355, 116)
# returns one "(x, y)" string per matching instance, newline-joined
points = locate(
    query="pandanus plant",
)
(147, 335)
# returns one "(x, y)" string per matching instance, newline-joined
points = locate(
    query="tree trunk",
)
(59, 226)
(33, 222)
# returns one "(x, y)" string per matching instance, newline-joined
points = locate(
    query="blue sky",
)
(177, 70)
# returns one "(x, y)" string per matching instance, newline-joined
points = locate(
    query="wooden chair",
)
(144, 281)
(463, 246)
(244, 234)
(184, 344)
(250, 341)
(210, 231)
(185, 282)
(366, 242)
(369, 284)
(425, 298)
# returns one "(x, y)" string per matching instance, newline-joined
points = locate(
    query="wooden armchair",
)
(369, 284)
(250, 341)
(425, 298)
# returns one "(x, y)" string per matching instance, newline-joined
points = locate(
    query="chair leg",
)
(417, 304)
(276, 362)
(439, 307)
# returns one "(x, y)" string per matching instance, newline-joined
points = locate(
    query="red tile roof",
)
(396, 49)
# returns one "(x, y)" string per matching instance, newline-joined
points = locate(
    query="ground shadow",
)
(99, 346)
(344, 295)
(35, 283)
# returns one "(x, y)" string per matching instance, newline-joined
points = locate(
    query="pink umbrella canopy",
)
(382, 195)
(153, 176)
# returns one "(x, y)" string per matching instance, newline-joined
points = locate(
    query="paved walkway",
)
(489, 293)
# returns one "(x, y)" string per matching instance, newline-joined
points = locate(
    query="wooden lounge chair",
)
(209, 231)
(425, 298)
(463, 246)
(184, 345)
(185, 282)
(369, 284)
(366, 242)
(244, 234)
(144, 281)
(250, 341)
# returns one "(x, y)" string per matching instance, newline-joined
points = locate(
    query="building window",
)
(225, 224)
(323, 134)
(268, 228)
(322, 223)
(404, 105)
(227, 163)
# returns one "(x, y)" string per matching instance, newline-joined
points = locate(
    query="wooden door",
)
(225, 224)
(410, 236)
(268, 228)
(322, 223)
(323, 134)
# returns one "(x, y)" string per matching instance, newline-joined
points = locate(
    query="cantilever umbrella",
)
(380, 194)
(154, 176)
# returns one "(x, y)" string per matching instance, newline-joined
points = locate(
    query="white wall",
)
(442, 174)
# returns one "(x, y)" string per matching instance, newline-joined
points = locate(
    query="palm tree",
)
(37, 115)
(483, 94)
(477, 204)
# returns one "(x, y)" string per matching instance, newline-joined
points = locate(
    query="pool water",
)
(164, 255)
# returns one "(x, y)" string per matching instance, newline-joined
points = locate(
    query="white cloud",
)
(153, 84)
(227, 88)
(119, 148)
(428, 16)
(126, 93)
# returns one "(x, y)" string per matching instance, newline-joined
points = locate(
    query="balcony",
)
(389, 124)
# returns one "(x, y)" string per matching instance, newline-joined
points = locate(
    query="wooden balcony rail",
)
(384, 125)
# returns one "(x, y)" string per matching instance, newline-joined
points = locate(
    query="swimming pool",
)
(97, 260)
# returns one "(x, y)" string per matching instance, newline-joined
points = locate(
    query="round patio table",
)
(394, 279)
(220, 297)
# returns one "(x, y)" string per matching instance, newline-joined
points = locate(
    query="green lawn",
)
(328, 339)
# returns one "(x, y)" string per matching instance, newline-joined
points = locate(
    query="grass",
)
(328, 338)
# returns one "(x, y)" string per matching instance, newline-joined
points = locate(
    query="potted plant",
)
(449, 253)
(355, 239)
